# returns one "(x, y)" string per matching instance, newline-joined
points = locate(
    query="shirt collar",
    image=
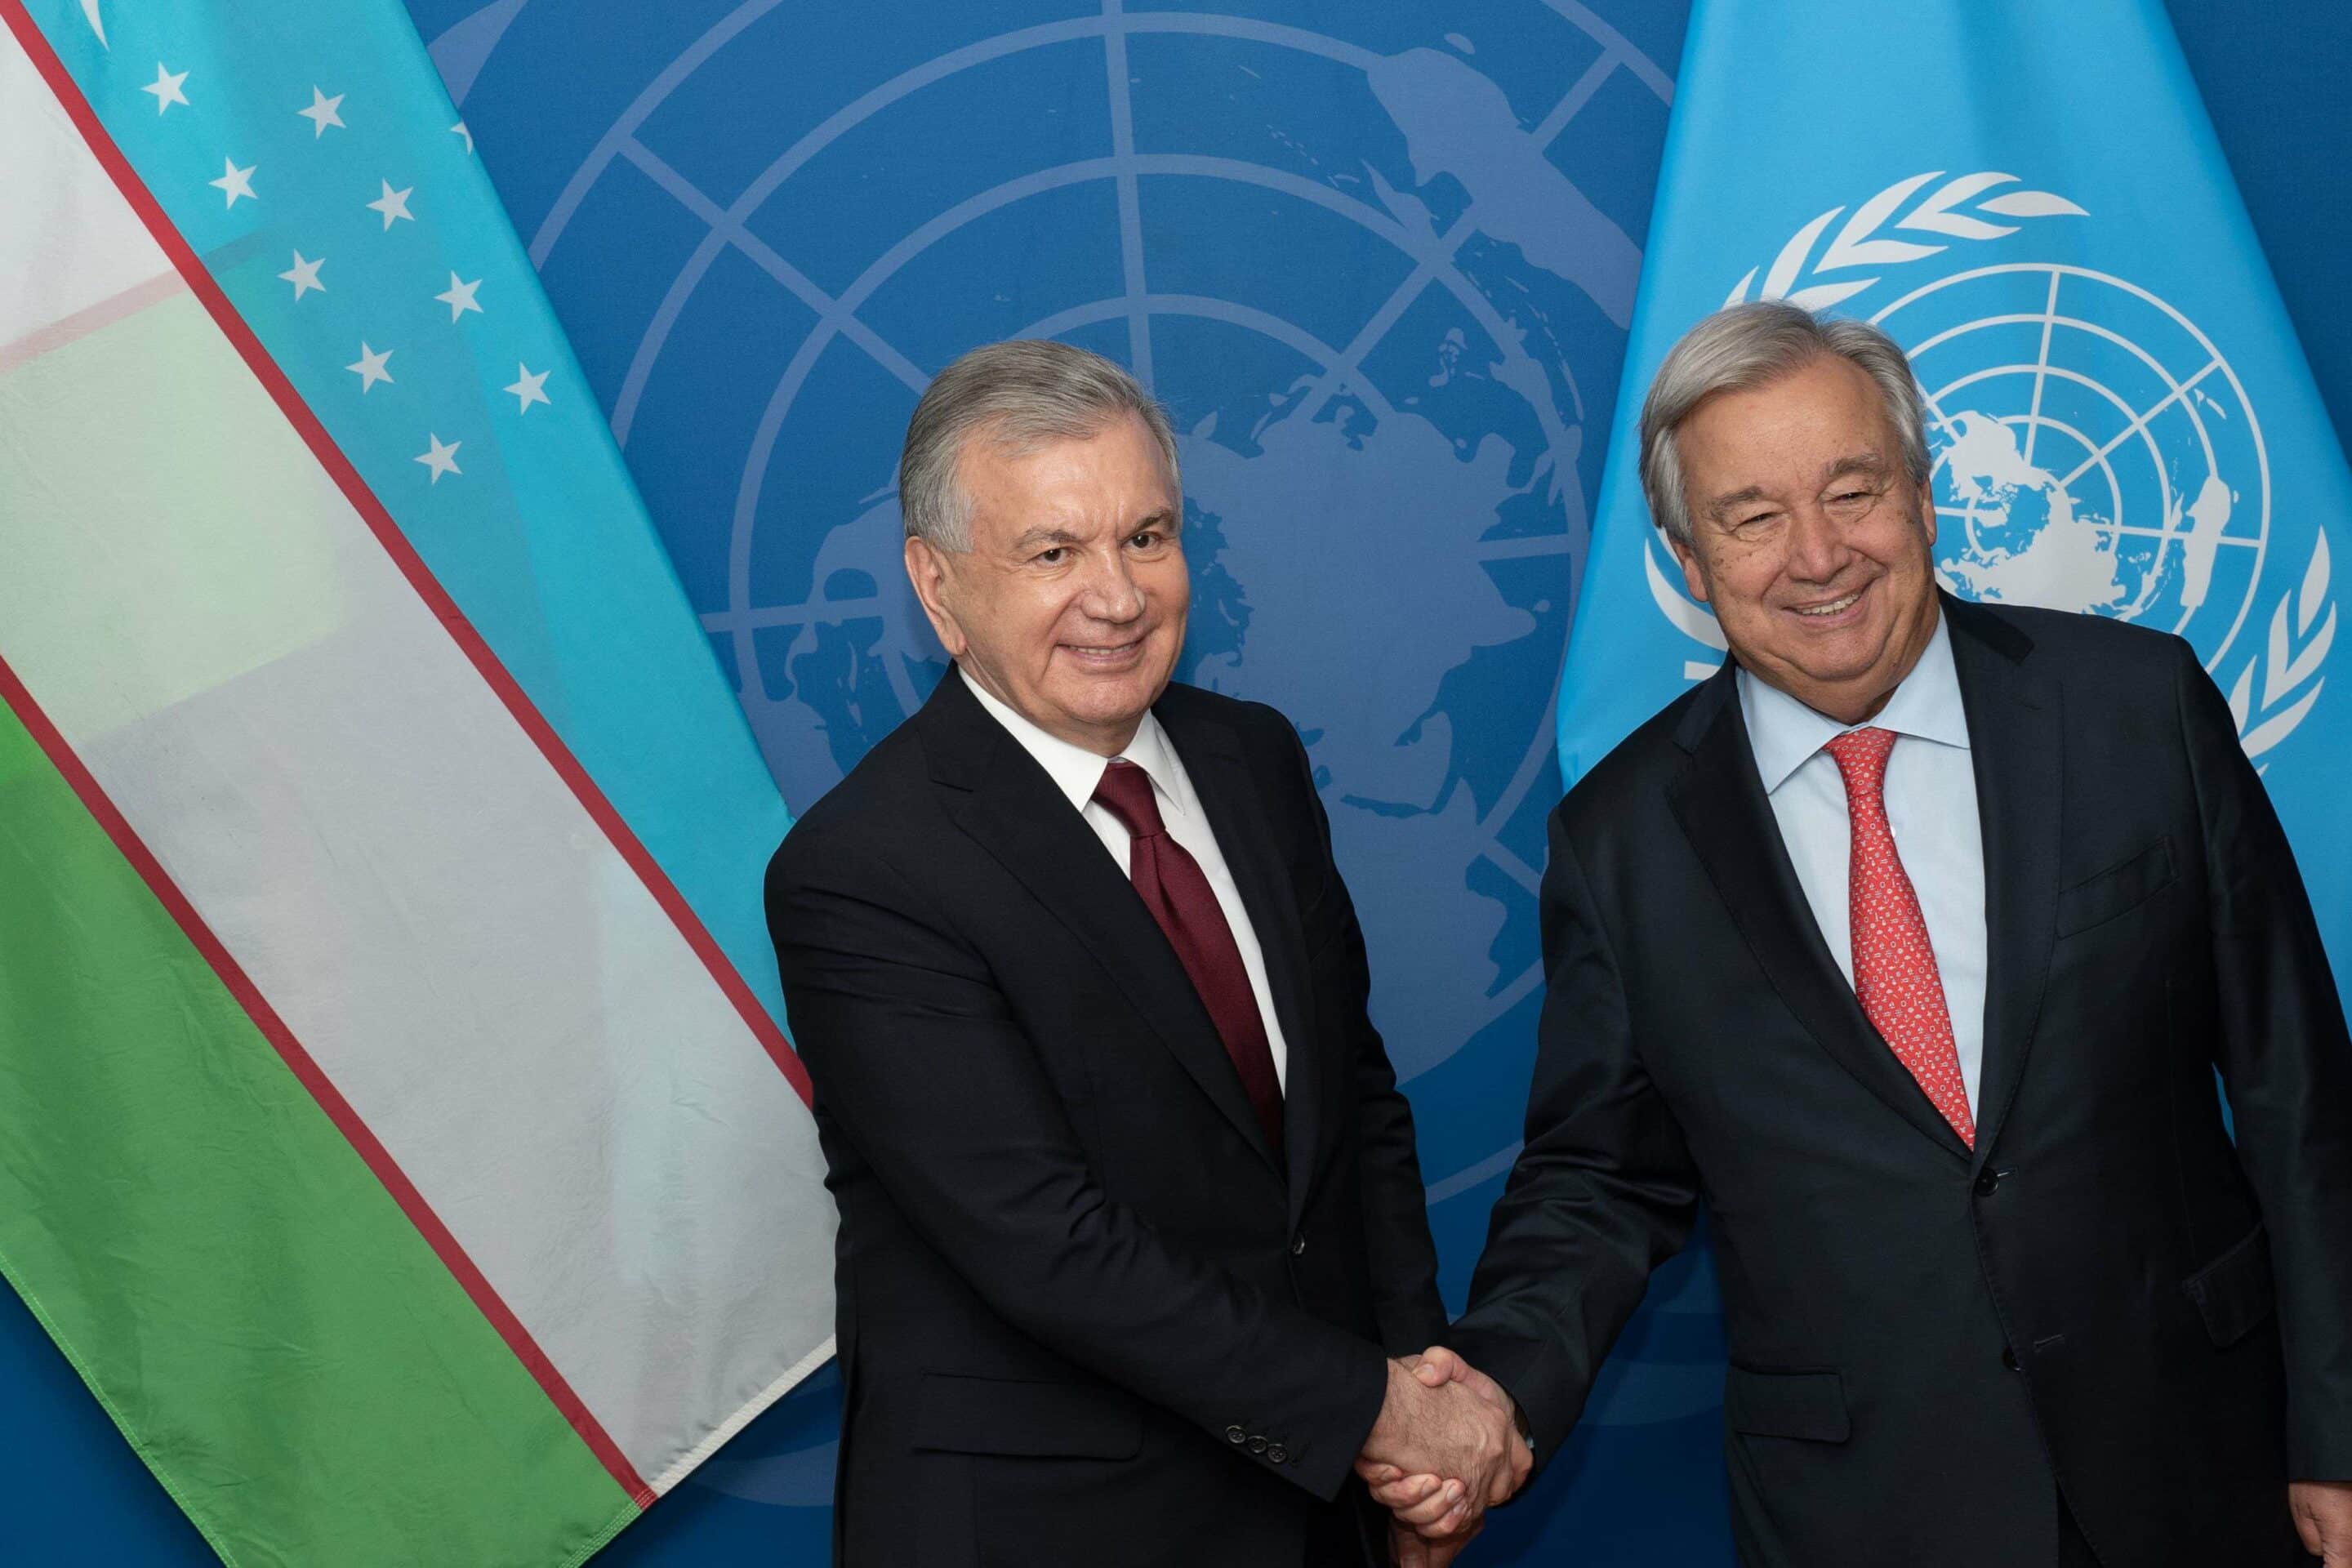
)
(1784, 732)
(1077, 771)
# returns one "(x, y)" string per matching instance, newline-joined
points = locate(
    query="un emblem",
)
(1380, 283)
(1380, 275)
(2094, 449)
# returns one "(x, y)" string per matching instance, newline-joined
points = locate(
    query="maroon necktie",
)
(1172, 888)
(1894, 974)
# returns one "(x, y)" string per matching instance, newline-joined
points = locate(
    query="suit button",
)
(1258, 1445)
(1235, 1435)
(1279, 1455)
(1987, 1180)
(1298, 1245)
(2008, 1358)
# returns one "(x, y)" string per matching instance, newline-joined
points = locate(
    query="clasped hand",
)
(1445, 1449)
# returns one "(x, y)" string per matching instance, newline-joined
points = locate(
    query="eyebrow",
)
(1045, 535)
(1735, 500)
(1869, 463)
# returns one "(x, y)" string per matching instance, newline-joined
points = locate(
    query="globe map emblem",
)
(1378, 311)
(2093, 451)
(1384, 287)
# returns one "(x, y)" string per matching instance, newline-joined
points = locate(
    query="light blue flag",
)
(2030, 199)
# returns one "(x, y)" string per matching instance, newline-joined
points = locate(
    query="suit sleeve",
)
(1603, 1191)
(918, 1062)
(2283, 1055)
(1411, 1314)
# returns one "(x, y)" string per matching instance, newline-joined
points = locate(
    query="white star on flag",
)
(459, 128)
(236, 182)
(305, 275)
(441, 459)
(370, 368)
(459, 297)
(166, 88)
(530, 388)
(322, 112)
(393, 205)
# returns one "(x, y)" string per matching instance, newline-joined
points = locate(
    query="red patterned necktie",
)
(1894, 974)
(1173, 888)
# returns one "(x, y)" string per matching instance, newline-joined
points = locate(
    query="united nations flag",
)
(2031, 200)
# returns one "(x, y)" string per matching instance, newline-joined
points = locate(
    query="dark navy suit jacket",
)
(2106, 1299)
(1087, 1315)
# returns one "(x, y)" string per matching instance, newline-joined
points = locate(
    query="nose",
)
(1817, 551)
(1111, 594)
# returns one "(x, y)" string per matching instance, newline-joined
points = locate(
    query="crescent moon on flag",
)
(90, 9)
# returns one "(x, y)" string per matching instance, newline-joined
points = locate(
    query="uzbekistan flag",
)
(395, 1129)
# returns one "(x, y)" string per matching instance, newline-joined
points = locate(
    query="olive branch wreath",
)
(1863, 240)
(1966, 207)
(2290, 661)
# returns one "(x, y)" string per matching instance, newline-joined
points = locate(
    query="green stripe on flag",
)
(267, 1328)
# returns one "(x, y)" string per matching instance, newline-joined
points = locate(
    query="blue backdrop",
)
(1378, 261)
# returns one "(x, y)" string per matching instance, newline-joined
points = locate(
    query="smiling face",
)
(1811, 543)
(1069, 606)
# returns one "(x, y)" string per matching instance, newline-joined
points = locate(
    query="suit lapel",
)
(2016, 746)
(1212, 754)
(1721, 801)
(996, 793)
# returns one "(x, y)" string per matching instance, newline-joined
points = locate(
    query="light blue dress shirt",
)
(1931, 808)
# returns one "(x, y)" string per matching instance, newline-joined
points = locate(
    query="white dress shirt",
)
(1077, 771)
(1931, 808)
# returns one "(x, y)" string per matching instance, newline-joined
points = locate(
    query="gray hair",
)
(1018, 396)
(1742, 347)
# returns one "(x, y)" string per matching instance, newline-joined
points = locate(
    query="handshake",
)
(1445, 1449)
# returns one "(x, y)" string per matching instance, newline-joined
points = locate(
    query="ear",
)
(1927, 512)
(927, 569)
(1693, 576)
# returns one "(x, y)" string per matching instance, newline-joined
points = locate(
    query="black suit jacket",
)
(2105, 1298)
(1085, 1315)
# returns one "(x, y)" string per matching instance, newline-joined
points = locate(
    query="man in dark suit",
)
(1910, 942)
(1131, 1216)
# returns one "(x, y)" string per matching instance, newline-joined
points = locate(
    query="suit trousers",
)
(1337, 1538)
(2073, 1552)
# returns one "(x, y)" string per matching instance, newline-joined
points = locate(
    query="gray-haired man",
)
(1130, 1217)
(1910, 942)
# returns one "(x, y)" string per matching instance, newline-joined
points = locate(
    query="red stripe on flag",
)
(404, 555)
(445, 1246)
